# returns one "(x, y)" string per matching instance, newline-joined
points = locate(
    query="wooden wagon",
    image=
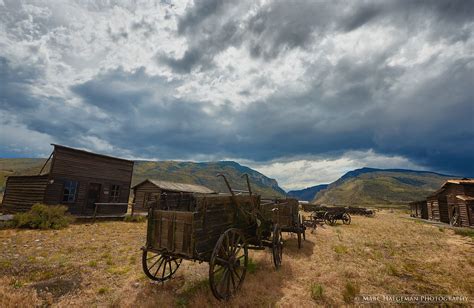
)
(218, 229)
(287, 216)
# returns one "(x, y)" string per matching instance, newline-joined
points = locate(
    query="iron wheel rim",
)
(228, 264)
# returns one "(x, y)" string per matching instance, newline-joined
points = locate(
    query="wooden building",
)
(419, 209)
(77, 179)
(150, 190)
(452, 203)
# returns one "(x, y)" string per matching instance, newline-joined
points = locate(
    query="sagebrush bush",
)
(317, 291)
(350, 292)
(134, 218)
(42, 216)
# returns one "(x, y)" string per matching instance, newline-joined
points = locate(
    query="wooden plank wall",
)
(173, 232)
(21, 192)
(86, 168)
(139, 195)
(287, 215)
(470, 211)
(444, 212)
(424, 210)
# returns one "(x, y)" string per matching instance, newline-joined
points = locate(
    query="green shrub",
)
(340, 249)
(392, 270)
(42, 216)
(350, 292)
(134, 218)
(251, 266)
(464, 232)
(317, 291)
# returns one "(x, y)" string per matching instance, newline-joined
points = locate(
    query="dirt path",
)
(99, 265)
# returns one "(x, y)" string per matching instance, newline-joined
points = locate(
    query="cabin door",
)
(93, 195)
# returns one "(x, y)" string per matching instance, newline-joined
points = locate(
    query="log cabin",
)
(151, 190)
(77, 179)
(453, 203)
(419, 209)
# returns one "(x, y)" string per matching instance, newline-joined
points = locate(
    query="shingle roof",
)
(465, 198)
(452, 181)
(463, 181)
(173, 186)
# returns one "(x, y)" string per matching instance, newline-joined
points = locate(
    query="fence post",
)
(95, 211)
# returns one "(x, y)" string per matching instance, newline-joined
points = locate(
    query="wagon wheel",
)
(326, 218)
(346, 219)
(277, 247)
(329, 219)
(228, 264)
(159, 267)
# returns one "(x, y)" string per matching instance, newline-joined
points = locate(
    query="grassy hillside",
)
(185, 172)
(205, 174)
(18, 166)
(307, 194)
(368, 186)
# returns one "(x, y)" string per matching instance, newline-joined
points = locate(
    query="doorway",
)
(93, 196)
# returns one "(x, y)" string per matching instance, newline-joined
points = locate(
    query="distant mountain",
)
(307, 194)
(185, 172)
(384, 187)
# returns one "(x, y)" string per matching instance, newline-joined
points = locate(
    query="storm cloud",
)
(278, 85)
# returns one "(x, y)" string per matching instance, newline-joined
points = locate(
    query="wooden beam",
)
(51, 155)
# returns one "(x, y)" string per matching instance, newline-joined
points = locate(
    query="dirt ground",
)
(100, 265)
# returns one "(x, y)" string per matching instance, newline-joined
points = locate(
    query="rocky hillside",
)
(385, 187)
(307, 194)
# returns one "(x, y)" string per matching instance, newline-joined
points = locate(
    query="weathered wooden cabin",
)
(77, 179)
(150, 190)
(452, 203)
(419, 209)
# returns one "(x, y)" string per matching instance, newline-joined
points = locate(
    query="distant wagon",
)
(287, 215)
(453, 203)
(77, 179)
(150, 190)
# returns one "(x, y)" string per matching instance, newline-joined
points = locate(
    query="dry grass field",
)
(99, 265)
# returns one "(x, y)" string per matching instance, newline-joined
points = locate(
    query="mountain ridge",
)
(373, 186)
(308, 193)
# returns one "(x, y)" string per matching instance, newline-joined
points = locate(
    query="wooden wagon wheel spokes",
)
(228, 264)
(159, 267)
(346, 219)
(277, 247)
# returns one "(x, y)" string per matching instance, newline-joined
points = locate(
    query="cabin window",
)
(114, 193)
(69, 192)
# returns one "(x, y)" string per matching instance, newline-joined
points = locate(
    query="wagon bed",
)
(195, 223)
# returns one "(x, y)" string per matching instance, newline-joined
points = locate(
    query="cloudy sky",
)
(303, 91)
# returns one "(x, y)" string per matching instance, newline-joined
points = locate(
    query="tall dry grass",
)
(388, 254)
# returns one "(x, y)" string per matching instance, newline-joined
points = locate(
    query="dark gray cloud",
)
(409, 96)
(280, 25)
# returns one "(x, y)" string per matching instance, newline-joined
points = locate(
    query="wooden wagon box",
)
(286, 214)
(192, 228)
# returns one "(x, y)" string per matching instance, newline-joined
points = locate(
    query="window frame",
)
(70, 185)
(114, 194)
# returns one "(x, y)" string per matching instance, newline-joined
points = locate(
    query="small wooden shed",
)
(150, 190)
(77, 179)
(419, 209)
(452, 203)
